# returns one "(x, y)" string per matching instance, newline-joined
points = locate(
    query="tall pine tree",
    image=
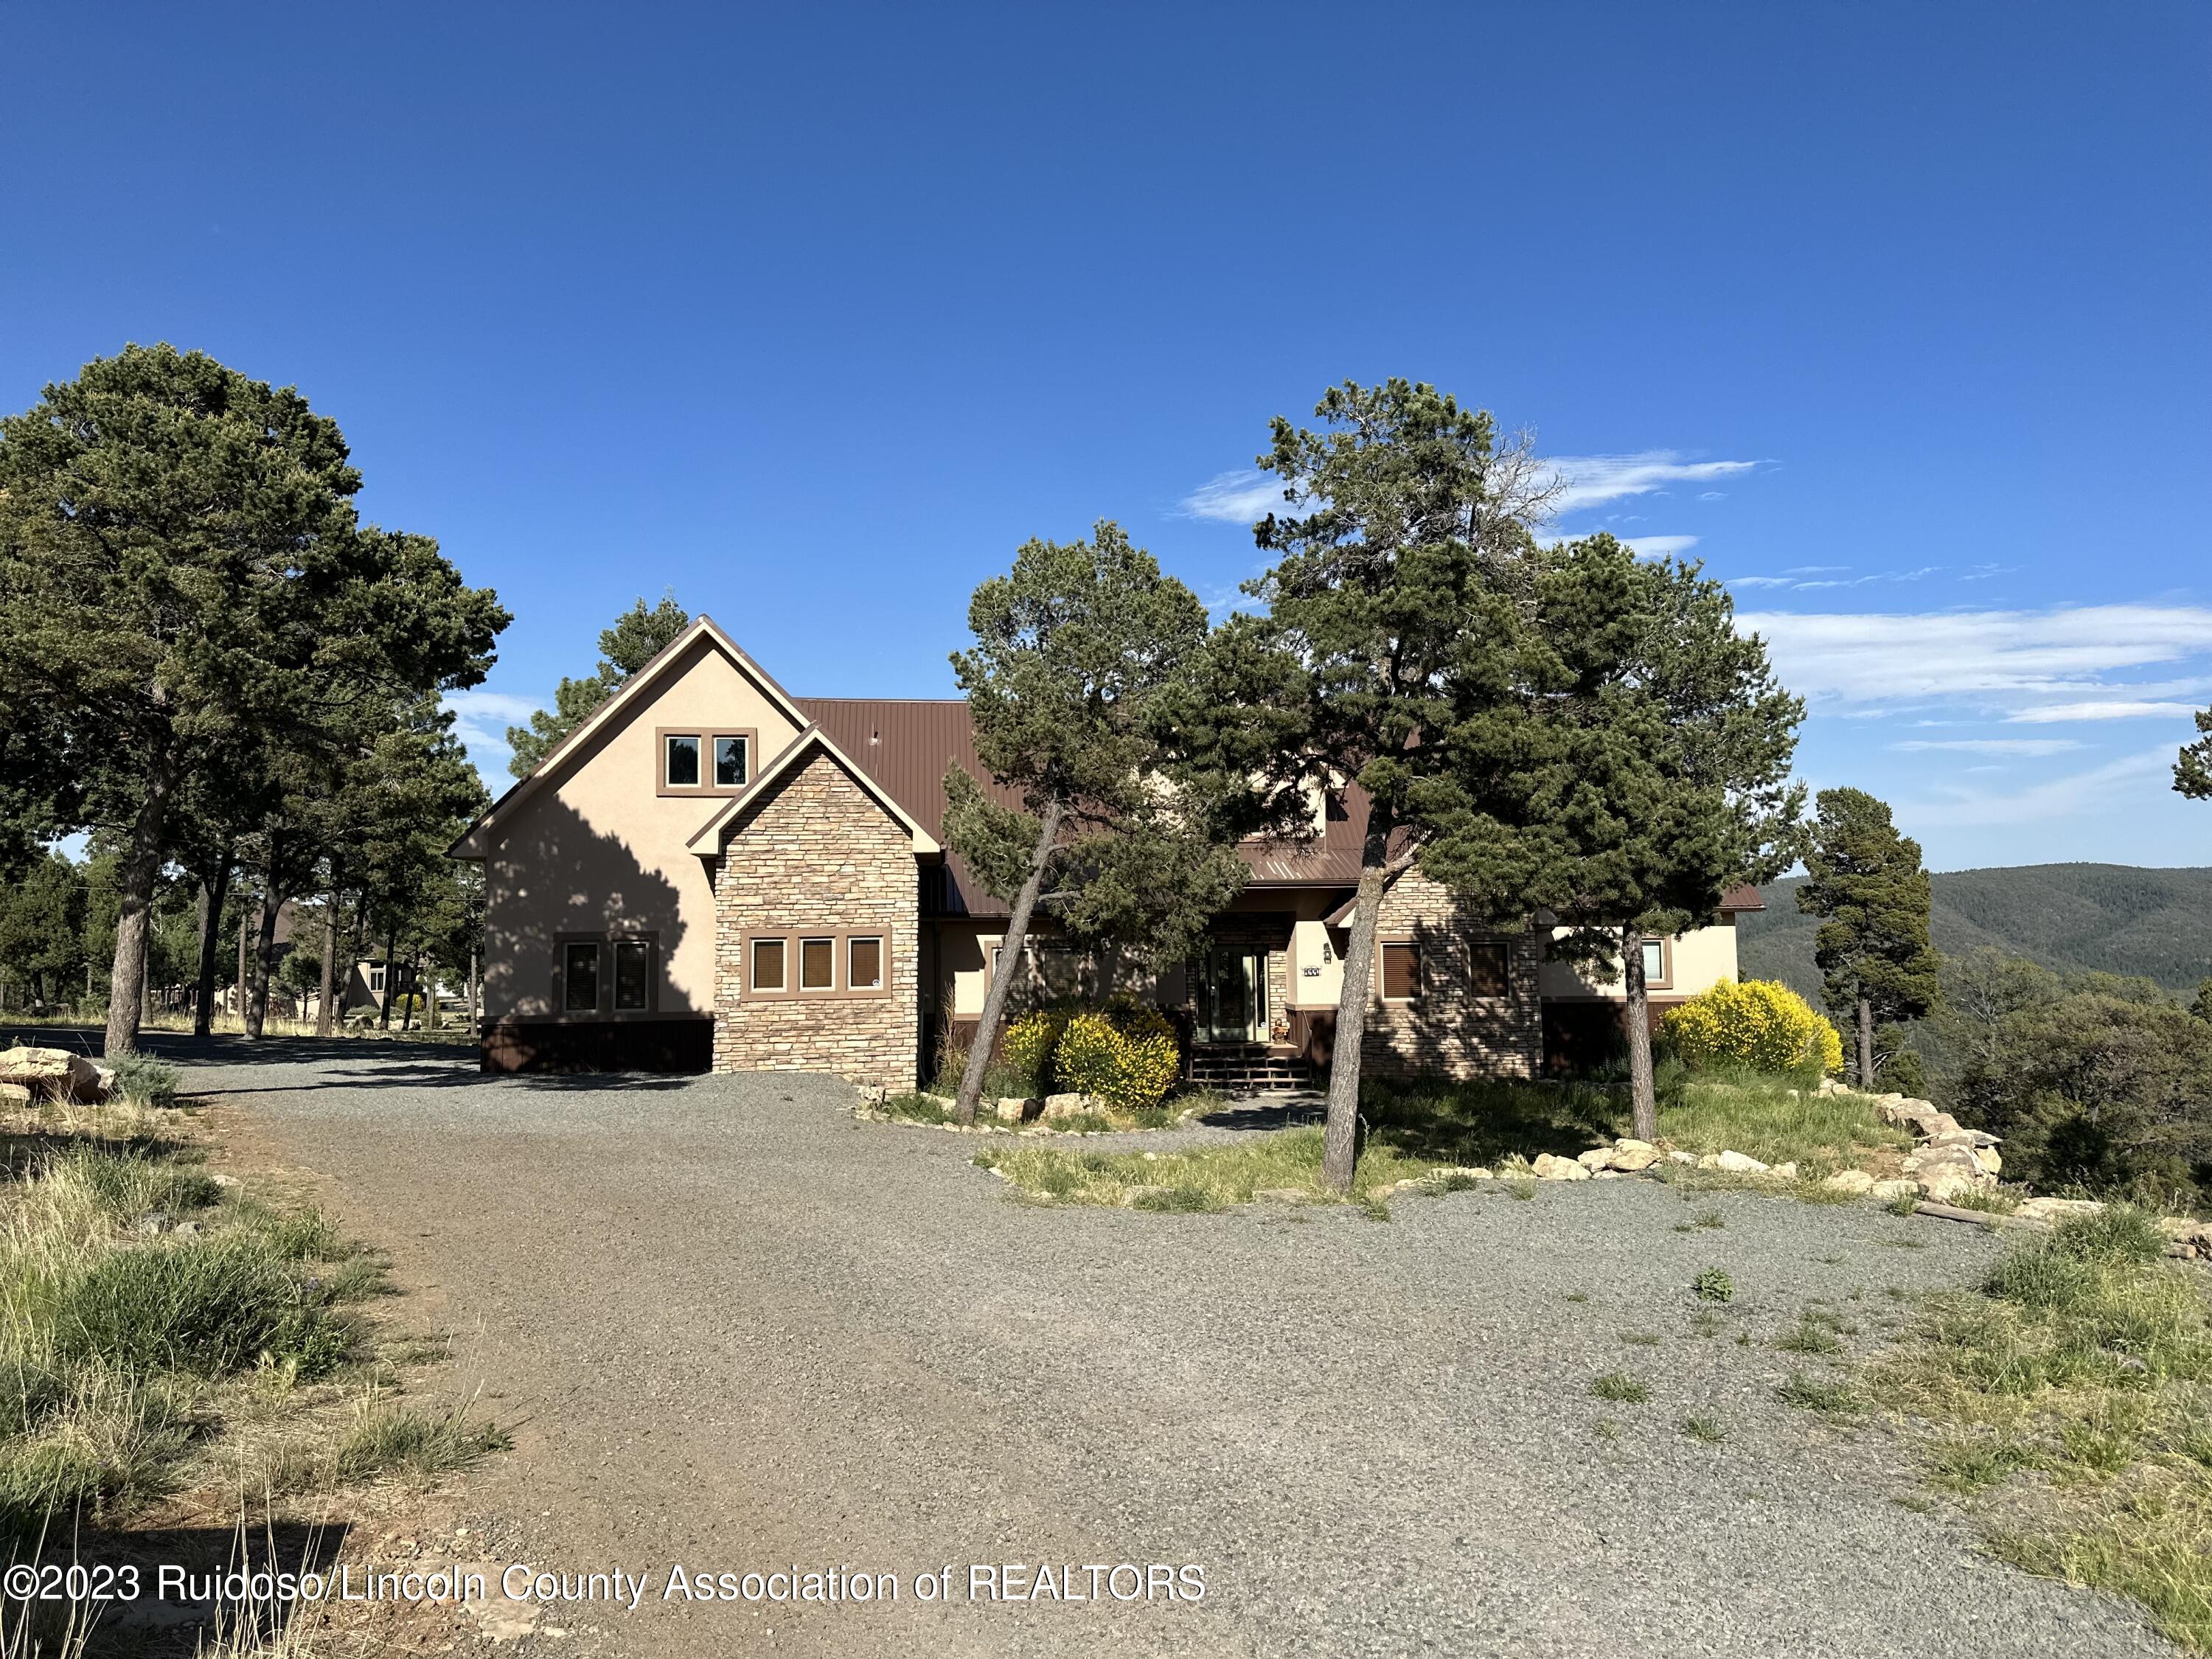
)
(1867, 883)
(638, 635)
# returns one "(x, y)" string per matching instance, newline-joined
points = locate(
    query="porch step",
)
(1249, 1070)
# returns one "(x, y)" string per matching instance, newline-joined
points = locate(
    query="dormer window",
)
(702, 761)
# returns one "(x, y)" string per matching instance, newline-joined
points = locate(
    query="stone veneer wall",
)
(817, 852)
(1448, 1031)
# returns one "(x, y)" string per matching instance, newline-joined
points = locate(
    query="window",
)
(768, 964)
(817, 963)
(580, 979)
(1656, 965)
(864, 964)
(681, 771)
(730, 754)
(633, 974)
(1489, 968)
(376, 981)
(1401, 971)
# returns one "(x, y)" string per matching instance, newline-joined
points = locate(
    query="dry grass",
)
(2071, 1397)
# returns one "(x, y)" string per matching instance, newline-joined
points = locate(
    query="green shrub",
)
(146, 1080)
(1125, 1056)
(1759, 1023)
(1714, 1286)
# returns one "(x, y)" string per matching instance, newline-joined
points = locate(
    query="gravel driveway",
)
(740, 1330)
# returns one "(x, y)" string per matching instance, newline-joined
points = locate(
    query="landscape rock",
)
(1550, 1166)
(1594, 1160)
(1013, 1109)
(154, 1221)
(1946, 1171)
(1785, 1171)
(1988, 1159)
(1886, 1190)
(53, 1074)
(2056, 1209)
(1680, 1158)
(1739, 1164)
(1630, 1155)
(1056, 1107)
(15, 1094)
(2186, 1236)
(1849, 1181)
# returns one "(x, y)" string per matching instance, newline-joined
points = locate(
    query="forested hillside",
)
(2111, 917)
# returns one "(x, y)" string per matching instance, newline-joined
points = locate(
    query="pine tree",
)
(2192, 767)
(183, 576)
(1664, 779)
(638, 635)
(1867, 883)
(1393, 655)
(1077, 648)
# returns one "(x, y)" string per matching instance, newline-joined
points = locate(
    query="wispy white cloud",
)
(1759, 582)
(481, 719)
(1659, 547)
(1244, 497)
(1923, 572)
(2026, 747)
(2012, 660)
(2055, 798)
(2115, 710)
(1587, 481)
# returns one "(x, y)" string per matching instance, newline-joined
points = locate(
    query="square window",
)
(768, 964)
(1655, 962)
(864, 969)
(632, 973)
(1402, 972)
(1489, 971)
(729, 763)
(682, 763)
(817, 963)
(580, 979)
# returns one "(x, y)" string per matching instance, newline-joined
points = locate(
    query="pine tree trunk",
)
(1340, 1140)
(329, 956)
(141, 868)
(407, 1007)
(265, 952)
(1866, 1044)
(1009, 955)
(245, 917)
(391, 969)
(1643, 1099)
(212, 894)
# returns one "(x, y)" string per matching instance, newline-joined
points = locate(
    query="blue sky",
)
(1894, 315)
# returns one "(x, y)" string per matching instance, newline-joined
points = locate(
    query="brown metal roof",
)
(906, 743)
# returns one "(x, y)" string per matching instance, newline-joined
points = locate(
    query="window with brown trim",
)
(580, 977)
(679, 761)
(697, 760)
(732, 753)
(817, 964)
(864, 959)
(1489, 967)
(1402, 970)
(1658, 965)
(768, 964)
(633, 975)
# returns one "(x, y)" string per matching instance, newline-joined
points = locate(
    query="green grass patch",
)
(1713, 1284)
(1211, 1177)
(388, 1438)
(1620, 1388)
(1811, 1393)
(1709, 1430)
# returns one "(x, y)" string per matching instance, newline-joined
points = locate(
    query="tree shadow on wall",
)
(560, 877)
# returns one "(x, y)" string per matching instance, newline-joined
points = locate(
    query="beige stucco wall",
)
(1702, 958)
(595, 845)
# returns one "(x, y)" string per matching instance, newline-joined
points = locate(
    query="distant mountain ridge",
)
(2110, 918)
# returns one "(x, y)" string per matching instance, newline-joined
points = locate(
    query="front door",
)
(1232, 995)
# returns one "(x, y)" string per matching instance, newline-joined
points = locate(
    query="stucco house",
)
(710, 874)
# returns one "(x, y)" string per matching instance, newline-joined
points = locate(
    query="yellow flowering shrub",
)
(1029, 1042)
(1124, 1055)
(1759, 1023)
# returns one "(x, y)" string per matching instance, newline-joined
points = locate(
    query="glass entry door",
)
(1232, 996)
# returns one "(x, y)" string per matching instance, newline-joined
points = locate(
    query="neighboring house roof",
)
(470, 846)
(708, 843)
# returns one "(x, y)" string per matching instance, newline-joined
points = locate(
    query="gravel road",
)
(738, 1330)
